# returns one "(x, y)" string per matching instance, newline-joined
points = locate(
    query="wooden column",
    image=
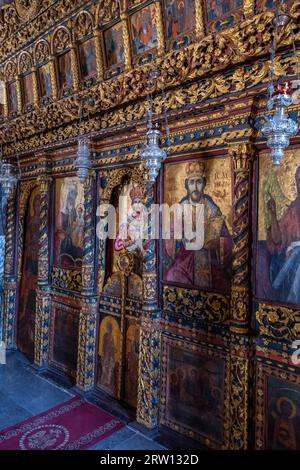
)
(5, 106)
(10, 275)
(89, 301)
(240, 345)
(160, 28)
(35, 87)
(99, 54)
(150, 338)
(200, 24)
(19, 94)
(126, 39)
(75, 68)
(42, 321)
(53, 77)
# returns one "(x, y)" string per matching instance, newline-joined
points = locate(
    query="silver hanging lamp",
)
(152, 154)
(279, 128)
(83, 160)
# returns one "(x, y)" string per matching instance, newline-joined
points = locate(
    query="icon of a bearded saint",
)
(211, 265)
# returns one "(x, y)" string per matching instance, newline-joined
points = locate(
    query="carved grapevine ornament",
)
(108, 10)
(42, 51)
(62, 40)
(27, 8)
(25, 63)
(83, 25)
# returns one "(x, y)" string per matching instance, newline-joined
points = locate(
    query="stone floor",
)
(24, 393)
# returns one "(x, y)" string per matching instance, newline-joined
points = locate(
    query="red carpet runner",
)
(74, 425)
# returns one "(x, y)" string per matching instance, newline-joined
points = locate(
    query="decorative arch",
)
(10, 71)
(107, 11)
(113, 177)
(27, 8)
(41, 52)
(83, 25)
(61, 40)
(25, 63)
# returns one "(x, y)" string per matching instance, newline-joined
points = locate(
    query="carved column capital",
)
(242, 154)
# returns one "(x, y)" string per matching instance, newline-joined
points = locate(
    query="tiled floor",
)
(23, 393)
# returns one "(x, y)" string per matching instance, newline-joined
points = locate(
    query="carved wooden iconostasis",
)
(197, 341)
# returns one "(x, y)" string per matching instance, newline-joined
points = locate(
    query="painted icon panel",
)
(278, 237)
(194, 387)
(109, 361)
(13, 97)
(143, 30)
(221, 8)
(283, 415)
(132, 363)
(222, 14)
(209, 184)
(27, 90)
(180, 17)
(87, 59)
(114, 45)
(266, 5)
(69, 223)
(64, 340)
(45, 83)
(65, 72)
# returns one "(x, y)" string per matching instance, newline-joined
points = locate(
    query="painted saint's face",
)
(195, 187)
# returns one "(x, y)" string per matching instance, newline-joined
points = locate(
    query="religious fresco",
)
(64, 339)
(27, 90)
(143, 30)
(12, 97)
(114, 45)
(87, 59)
(194, 392)
(45, 84)
(29, 276)
(109, 361)
(283, 415)
(208, 183)
(69, 223)
(132, 363)
(180, 17)
(278, 238)
(65, 74)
